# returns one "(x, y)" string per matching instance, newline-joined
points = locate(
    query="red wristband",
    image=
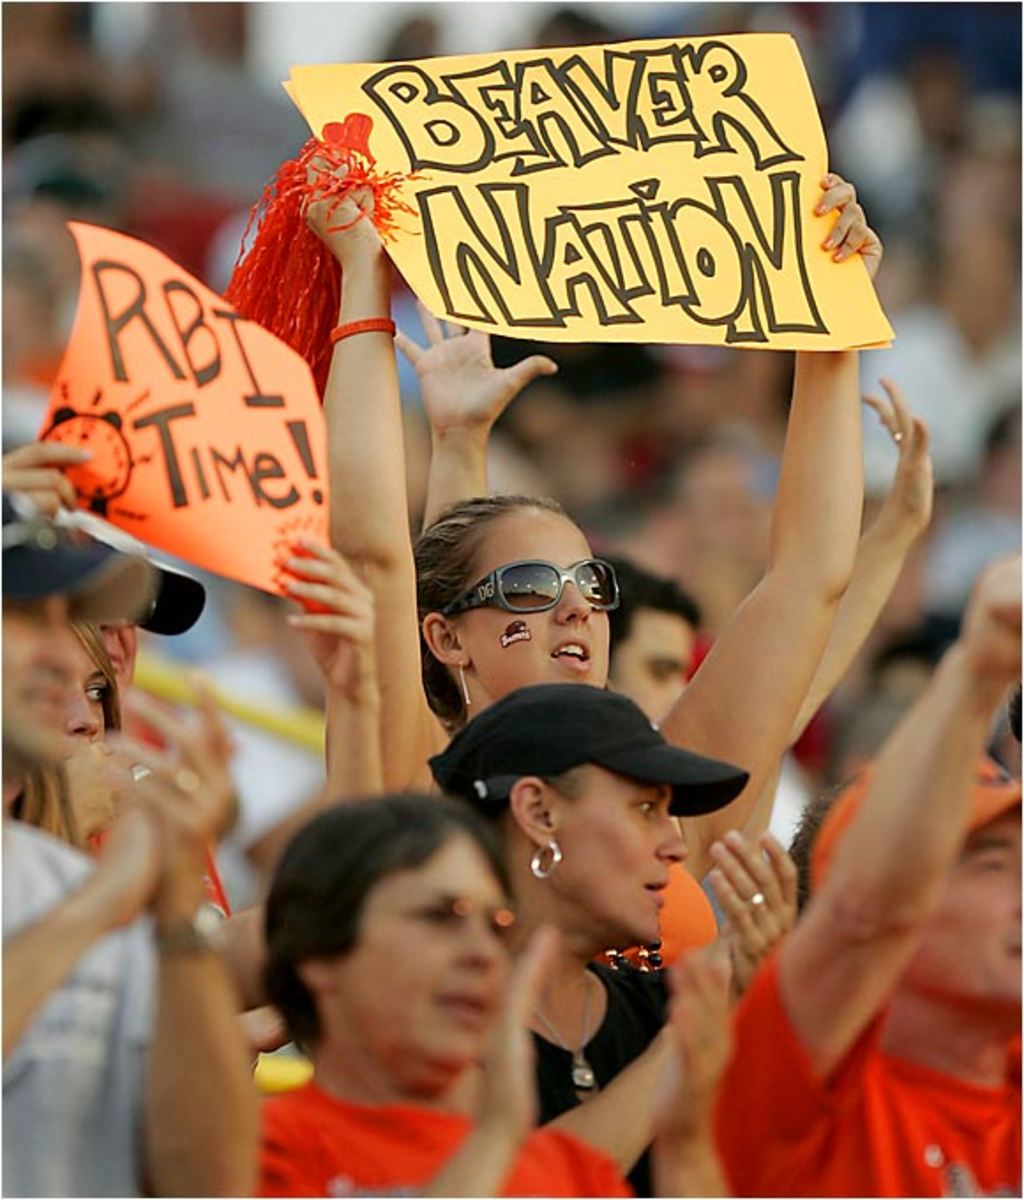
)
(370, 325)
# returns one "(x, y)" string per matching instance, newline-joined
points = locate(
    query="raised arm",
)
(338, 622)
(881, 552)
(366, 465)
(859, 931)
(340, 628)
(463, 395)
(744, 699)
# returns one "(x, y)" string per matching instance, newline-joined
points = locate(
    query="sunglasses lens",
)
(596, 582)
(529, 586)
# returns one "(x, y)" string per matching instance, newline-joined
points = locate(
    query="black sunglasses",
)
(535, 586)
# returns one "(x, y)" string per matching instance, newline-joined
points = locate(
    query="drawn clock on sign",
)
(109, 472)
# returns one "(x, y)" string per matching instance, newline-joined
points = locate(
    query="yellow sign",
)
(658, 191)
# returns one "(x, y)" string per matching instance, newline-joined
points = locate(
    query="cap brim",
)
(179, 602)
(179, 599)
(992, 795)
(101, 584)
(699, 785)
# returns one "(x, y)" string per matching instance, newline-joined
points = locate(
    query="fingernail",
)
(734, 838)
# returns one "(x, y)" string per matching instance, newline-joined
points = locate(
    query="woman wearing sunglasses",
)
(742, 704)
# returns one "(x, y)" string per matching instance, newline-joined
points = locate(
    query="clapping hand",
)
(700, 1034)
(756, 887)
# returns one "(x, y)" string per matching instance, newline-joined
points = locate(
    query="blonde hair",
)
(91, 637)
(45, 800)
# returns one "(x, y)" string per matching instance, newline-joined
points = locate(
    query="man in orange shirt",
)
(878, 1052)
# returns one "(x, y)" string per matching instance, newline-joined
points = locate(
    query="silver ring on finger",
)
(187, 781)
(756, 900)
(897, 437)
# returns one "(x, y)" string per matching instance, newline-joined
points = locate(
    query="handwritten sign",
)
(206, 433)
(658, 191)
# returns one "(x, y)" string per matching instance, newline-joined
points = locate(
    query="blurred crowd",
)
(672, 517)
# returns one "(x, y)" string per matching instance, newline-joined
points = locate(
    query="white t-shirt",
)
(72, 1086)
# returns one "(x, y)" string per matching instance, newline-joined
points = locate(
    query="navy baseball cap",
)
(550, 728)
(40, 560)
(178, 600)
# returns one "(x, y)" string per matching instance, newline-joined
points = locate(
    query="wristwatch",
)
(192, 937)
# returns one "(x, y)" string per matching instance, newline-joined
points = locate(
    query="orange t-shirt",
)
(878, 1126)
(316, 1145)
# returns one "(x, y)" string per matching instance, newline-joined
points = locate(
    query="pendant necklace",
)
(583, 1077)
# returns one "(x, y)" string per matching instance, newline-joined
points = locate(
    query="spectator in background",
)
(412, 38)
(653, 639)
(567, 25)
(959, 357)
(981, 526)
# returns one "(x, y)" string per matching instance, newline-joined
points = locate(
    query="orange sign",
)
(206, 432)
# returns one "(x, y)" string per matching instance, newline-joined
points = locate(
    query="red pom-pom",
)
(289, 282)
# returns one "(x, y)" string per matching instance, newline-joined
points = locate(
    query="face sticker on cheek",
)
(517, 631)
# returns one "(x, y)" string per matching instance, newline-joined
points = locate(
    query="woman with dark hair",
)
(385, 929)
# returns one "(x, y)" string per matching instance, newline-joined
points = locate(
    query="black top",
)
(637, 1006)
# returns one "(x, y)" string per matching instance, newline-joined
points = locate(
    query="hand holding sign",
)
(203, 431)
(41, 471)
(851, 233)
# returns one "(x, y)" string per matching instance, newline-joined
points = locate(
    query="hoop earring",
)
(540, 871)
(465, 689)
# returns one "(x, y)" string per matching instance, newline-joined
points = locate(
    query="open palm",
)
(460, 384)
